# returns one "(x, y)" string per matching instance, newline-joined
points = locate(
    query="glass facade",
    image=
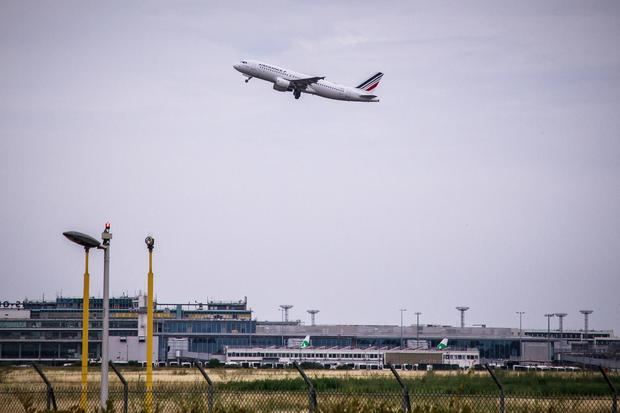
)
(489, 348)
(203, 326)
(53, 330)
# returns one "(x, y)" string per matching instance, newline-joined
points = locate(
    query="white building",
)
(465, 359)
(130, 349)
(359, 358)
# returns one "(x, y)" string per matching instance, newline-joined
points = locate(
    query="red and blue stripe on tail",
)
(371, 83)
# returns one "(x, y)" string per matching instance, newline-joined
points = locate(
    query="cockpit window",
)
(244, 62)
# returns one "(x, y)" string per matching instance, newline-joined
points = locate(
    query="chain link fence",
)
(205, 397)
(202, 398)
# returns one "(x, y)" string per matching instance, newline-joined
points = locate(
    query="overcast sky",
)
(487, 176)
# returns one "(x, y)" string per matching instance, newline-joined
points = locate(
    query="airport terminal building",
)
(51, 331)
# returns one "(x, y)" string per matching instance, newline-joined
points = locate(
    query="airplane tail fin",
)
(305, 342)
(371, 83)
(443, 344)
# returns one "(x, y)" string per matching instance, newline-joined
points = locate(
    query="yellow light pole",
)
(150, 242)
(87, 242)
(85, 314)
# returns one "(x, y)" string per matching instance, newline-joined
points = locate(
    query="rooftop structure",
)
(561, 316)
(285, 308)
(313, 314)
(462, 310)
(586, 314)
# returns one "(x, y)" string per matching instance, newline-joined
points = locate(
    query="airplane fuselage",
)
(281, 79)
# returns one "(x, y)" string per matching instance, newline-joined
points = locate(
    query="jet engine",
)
(281, 85)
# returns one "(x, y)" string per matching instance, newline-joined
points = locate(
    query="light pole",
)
(106, 236)
(520, 322)
(549, 315)
(281, 324)
(401, 326)
(520, 333)
(150, 243)
(417, 328)
(87, 242)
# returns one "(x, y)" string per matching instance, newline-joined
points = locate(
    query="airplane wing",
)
(304, 83)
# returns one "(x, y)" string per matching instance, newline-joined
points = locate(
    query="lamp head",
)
(150, 242)
(84, 240)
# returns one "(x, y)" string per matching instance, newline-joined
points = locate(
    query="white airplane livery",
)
(285, 80)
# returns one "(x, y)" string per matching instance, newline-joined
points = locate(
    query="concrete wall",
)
(533, 351)
(132, 349)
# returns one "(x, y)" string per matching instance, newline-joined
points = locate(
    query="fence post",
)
(614, 391)
(406, 401)
(502, 406)
(209, 389)
(51, 398)
(311, 390)
(125, 387)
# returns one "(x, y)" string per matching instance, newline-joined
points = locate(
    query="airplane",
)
(443, 344)
(285, 80)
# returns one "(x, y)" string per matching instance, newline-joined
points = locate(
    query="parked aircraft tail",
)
(305, 342)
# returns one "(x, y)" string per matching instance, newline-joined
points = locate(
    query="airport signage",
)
(6, 304)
